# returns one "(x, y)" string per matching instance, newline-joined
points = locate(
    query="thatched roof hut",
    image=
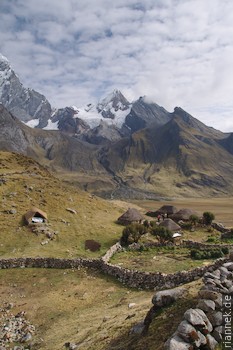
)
(35, 215)
(165, 209)
(170, 225)
(183, 214)
(130, 216)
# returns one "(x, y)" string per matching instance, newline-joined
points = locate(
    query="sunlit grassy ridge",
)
(27, 184)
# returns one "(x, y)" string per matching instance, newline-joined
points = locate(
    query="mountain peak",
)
(115, 100)
(3, 59)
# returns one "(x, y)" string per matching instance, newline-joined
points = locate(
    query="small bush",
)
(193, 219)
(225, 250)
(213, 239)
(162, 234)
(213, 253)
(132, 233)
(186, 225)
(208, 217)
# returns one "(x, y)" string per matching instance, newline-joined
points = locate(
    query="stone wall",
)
(54, 263)
(203, 327)
(112, 251)
(157, 280)
(131, 278)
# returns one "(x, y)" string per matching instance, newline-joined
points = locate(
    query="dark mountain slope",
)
(50, 147)
(142, 114)
(182, 155)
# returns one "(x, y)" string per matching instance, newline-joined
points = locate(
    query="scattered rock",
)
(131, 305)
(130, 316)
(44, 242)
(71, 346)
(206, 305)
(137, 328)
(167, 297)
(208, 294)
(177, 343)
(14, 329)
(106, 318)
(73, 211)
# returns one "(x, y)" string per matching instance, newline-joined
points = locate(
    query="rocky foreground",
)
(15, 330)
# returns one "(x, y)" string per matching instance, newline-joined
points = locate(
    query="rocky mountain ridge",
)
(120, 116)
(117, 149)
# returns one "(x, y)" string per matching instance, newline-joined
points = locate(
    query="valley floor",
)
(221, 207)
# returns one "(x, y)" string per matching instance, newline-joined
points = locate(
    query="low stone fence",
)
(209, 324)
(220, 227)
(157, 280)
(131, 278)
(54, 263)
(112, 251)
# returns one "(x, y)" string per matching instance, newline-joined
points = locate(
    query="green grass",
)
(165, 260)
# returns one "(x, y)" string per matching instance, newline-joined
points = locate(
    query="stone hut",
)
(183, 214)
(170, 225)
(35, 215)
(130, 216)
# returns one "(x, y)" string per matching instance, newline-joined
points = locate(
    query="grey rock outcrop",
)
(203, 326)
(167, 297)
(25, 104)
(144, 113)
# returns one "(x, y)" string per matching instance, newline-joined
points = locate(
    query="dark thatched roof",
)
(165, 209)
(131, 215)
(183, 214)
(170, 225)
(34, 212)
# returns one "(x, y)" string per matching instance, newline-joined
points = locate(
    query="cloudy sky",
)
(177, 52)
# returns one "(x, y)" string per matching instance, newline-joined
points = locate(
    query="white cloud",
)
(177, 52)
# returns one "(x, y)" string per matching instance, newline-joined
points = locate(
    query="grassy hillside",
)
(24, 184)
(86, 308)
(78, 306)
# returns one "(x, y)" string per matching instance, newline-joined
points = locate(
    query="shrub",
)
(193, 219)
(132, 233)
(213, 253)
(225, 250)
(146, 223)
(211, 239)
(186, 225)
(162, 234)
(208, 217)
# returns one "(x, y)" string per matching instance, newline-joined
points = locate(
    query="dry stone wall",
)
(54, 263)
(131, 278)
(205, 326)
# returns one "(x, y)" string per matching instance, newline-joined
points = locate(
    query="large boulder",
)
(177, 343)
(167, 297)
(198, 319)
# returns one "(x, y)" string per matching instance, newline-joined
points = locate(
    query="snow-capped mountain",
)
(26, 104)
(113, 116)
(113, 109)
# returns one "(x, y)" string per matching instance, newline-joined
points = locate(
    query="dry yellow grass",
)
(81, 306)
(29, 184)
(70, 305)
(67, 305)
